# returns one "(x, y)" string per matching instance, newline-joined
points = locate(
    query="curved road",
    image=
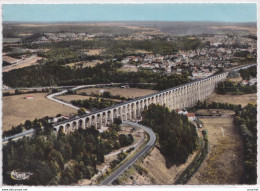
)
(130, 162)
(52, 97)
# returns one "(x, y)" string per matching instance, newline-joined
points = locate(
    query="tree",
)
(17, 92)
(70, 92)
(106, 94)
(28, 124)
(58, 115)
(81, 112)
(37, 126)
(125, 140)
(47, 128)
(117, 121)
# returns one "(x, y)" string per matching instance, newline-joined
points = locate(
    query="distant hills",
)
(12, 29)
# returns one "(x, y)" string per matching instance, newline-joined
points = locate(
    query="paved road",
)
(130, 162)
(28, 132)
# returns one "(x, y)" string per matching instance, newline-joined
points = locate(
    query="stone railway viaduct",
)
(182, 96)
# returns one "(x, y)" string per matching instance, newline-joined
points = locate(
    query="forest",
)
(120, 47)
(178, 138)
(55, 74)
(58, 158)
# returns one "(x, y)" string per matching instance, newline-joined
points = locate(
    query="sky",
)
(245, 12)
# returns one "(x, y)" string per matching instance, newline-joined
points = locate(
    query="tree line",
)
(18, 92)
(54, 74)
(246, 122)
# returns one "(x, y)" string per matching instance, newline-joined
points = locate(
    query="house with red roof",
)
(191, 116)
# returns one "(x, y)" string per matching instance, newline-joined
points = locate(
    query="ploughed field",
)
(17, 109)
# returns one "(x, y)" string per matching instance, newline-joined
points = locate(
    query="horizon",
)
(55, 22)
(202, 12)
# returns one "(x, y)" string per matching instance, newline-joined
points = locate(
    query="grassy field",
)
(125, 92)
(17, 109)
(224, 163)
(235, 99)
